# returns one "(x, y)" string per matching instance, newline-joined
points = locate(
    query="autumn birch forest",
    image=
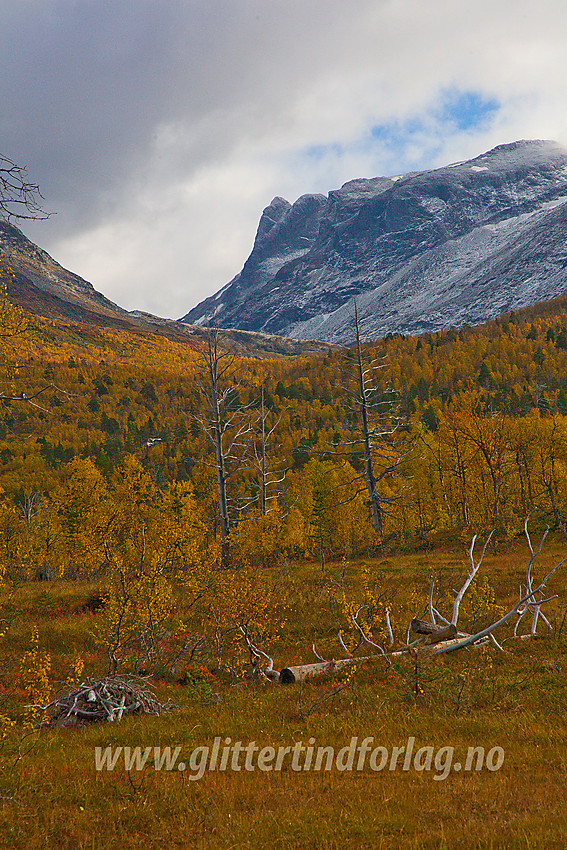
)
(108, 437)
(139, 462)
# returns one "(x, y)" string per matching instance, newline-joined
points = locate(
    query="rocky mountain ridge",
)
(420, 252)
(43, 286)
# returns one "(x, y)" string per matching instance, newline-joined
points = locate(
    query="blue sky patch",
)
(456, 111)
(415, 143)
(467, 110)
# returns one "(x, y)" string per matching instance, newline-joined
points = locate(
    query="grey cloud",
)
(87, 84)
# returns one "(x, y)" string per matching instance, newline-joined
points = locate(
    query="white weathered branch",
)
(430, 603)
(489, 629)
(320, 657)
(268, 672)
(364, 637)
(474, 570)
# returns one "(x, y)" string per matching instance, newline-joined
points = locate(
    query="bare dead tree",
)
(19, 198)
(269, 477)
(225, 421)
(364, 636)
(534, 602)
(434, 638)
(256, 656)
(471, 576)
(376, 438)
(29, 505)
(531, 599)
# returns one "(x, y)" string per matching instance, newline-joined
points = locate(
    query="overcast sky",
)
(160, 129)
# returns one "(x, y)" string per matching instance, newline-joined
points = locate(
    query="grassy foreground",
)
(53, 796)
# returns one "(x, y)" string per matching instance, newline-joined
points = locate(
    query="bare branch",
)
(364, 637)
(342, 643)
(19, 198)
(268, 672)
(316, 654)
(470, 577)
(487, 631)
(389, 627)
(430, 604)
(29, 399)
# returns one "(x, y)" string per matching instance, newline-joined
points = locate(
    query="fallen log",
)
(435, 647)
(442, 634)
(422, 627)
(302, 672)
(434, 633)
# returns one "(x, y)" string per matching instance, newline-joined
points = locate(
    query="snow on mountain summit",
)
(421, 251)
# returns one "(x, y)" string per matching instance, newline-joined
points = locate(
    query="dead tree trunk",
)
(269, 476)
(303, 672)
(219, 454)
(225, 422)
(434, 633)
(376, 438)
(375, 506)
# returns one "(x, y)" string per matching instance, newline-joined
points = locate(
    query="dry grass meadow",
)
(53, 797)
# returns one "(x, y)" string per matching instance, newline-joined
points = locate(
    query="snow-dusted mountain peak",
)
(420, 251)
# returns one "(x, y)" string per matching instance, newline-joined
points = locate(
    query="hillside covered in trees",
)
(480, 440)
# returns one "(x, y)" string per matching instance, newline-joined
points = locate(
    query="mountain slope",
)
(423, 251)
(43, 287)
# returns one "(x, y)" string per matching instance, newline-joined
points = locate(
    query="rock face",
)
(427, 250)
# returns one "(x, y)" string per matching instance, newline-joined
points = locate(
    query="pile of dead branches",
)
(100, 700)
